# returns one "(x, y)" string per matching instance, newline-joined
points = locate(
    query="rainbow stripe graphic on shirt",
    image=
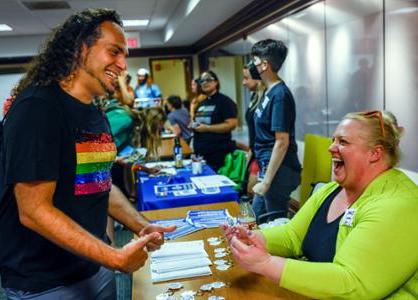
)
(95, 156)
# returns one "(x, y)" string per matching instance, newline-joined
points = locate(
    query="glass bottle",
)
(177, 153)
(246, 216)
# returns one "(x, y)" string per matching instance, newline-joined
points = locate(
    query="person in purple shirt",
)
(179, 118)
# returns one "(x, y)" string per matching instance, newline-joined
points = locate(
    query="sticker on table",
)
(223, 267)
(221, 254)
(175, 286)
(188, 295)
(216, 298)
(165, 296)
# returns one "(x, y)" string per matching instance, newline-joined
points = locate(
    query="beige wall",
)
(196, 71)
(170, 77)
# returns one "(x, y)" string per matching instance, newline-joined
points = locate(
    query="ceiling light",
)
(5, 27)
(130, 23)
(46, 5)
(404, 10)
(191, 5)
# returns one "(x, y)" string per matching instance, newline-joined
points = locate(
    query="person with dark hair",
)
(56, 155)
(215, 119)
(179, 118)
(275, 145)
(257, 89)
(197, 96)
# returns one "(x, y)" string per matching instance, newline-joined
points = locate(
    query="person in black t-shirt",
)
(257, 89)
(56, 155)
(214, 120)
(275, 145)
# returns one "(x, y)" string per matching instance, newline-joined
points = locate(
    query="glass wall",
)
(304, 69)
(354, 44)
(349, 56)
(401, 73)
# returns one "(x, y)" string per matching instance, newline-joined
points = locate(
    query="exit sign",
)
(132, 38)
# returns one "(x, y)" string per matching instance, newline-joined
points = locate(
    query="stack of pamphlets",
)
(180, 260)
(208, 218)
(183, 227)
(195, 220)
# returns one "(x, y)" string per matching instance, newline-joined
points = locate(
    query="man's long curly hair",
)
(60, 55)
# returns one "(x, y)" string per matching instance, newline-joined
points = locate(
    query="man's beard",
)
(102, 84)
(89, 71)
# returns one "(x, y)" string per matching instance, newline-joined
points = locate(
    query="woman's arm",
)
(376, 257)
(127, 97)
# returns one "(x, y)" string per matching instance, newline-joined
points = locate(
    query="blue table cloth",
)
(148, 200)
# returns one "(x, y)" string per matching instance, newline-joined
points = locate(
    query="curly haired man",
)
(56, 155)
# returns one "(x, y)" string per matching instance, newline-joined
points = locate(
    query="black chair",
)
(270, 216)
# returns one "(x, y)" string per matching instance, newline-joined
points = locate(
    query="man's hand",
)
(133, 255)
(261, 188)
(156, 243)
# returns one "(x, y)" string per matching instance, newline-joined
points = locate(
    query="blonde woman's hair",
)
(382, 130)
(154, 118)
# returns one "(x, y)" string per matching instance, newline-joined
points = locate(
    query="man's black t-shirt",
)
(214, 110)
(51, 136)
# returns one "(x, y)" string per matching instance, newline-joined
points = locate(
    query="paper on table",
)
(183, 227)
(177, 265)
(195, 272)
(203, 182)
(207, 218)
(180, 248)
(180, 260)
(166, 164)
(176, 258)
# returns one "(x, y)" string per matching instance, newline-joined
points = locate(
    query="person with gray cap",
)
(145, 89)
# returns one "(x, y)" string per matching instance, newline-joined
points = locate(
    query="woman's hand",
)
(238, 231)
(255, 258)
(243, 234)
(251, 254)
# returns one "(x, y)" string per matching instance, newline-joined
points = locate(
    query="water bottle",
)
(246, 216)
(178, 153)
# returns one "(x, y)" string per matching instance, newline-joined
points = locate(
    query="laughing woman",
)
(358, 235)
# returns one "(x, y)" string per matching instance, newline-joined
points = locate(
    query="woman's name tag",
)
(348, 217)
